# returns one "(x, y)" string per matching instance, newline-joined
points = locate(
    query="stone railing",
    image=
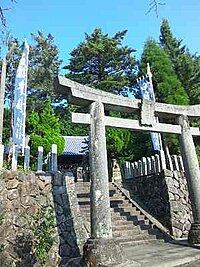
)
(51, 160)
(151, 165)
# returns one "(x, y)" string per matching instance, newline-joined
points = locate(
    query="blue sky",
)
(68, 20)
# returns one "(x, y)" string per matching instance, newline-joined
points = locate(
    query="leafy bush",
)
(42, 228)
(44, 128)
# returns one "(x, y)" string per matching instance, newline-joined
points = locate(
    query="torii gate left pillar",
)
(100, 249)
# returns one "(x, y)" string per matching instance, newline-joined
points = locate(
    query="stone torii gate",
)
(98, 101)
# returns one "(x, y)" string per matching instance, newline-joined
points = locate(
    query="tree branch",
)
(153, 6)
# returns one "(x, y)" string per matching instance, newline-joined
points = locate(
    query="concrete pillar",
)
(149, 169)
(133, 170)
(175, 163)
(180, 162)
(153, 164)
(144, 166)
(48, 166)
(54, 158)
(1, 156)
(130, 171)
(169, 160)
(26, 158)
(140, 173)
(193, 176)
(100, 202)
(14, 158)
(40, 159)
(136, 168)
(157, 163)
(162, 160)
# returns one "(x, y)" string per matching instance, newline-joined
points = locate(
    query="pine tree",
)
(102, 62)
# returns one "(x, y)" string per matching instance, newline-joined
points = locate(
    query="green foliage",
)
(102, 62)
(44, 62)
(13, 58)
(185, 65)
(44, 65)
(67, 127)
(167, 87)
(42, 228)
(44, 129)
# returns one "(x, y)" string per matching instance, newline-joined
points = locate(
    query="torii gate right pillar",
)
(192, 175)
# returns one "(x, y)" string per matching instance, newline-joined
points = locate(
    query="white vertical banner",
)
(146, 92)
(20, 99)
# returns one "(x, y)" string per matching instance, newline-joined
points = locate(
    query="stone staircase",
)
(130, 226)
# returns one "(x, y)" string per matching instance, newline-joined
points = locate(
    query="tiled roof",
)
(75, 145)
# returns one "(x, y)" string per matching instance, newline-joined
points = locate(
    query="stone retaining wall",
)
(165, 196)
(22, 197)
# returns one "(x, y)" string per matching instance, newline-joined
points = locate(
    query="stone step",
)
(128, 232)
(112, 198)
(114, 203)
(115, 218)
(125, 212)
(123, 222)
(84, 186)
(122, 227)
(118, 213)
(87, 194)
(132, 242)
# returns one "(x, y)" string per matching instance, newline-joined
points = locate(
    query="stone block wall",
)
(22, 196)
(165, 196)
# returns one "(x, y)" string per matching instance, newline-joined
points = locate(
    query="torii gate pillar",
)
(192, 175)
(100, 249)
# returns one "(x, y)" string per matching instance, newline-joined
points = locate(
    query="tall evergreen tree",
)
(167, 87)
(185, 65)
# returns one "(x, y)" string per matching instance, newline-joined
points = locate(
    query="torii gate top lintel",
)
(83, 95)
